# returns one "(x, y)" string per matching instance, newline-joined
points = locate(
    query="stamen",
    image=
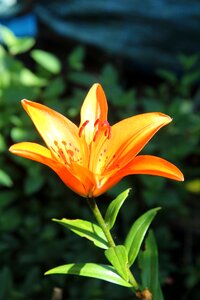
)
(82, 128)
(95, 135)
(96, 122)
(104, 126)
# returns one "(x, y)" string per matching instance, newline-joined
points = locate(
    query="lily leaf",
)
(47, 60)
(148, 262)
(114, 207)
(137, 233)
(86, 229)
(118, 257)
(99, 271)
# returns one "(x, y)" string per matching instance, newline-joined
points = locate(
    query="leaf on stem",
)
(86, 229)
(148, 262)
(118, 257)
(114, 207)
(137, 233)
(99, 271)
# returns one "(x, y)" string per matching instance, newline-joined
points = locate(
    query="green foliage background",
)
(31, 194)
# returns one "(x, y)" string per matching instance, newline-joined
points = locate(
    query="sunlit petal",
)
(41, 154)
(130, 136)
(32, 151)
(94, 108)
(153, 165)
(51, 125)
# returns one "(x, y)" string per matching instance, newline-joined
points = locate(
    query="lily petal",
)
(51, 125)
(153, 165)
(43, 155)
(32, 151)
(94, 108)
(141, 164)
(130, 135)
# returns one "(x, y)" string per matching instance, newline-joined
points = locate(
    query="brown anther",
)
(82, 128)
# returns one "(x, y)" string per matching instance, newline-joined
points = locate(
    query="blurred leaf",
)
(22, 45)
(5, 179)
(114, 207)
(55, 88)
(76, 57)
(16, 45)
(118, 257)
(7, 197)
(7, 36)
(19, 134)
(3, 145)
(103, 272)
(190, 78)
(47, 60)
(167, 75)
(148, 262)
(137, 233)
(28, 78)
(188, 61)
(109, 75)
(5, 283)
(84, 78)
(86, 229)
(33, 183)
(193, 186)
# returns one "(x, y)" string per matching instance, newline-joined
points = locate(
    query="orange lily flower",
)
(92, 158)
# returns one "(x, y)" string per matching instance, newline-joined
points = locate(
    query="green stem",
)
(104, 227)
(100, 220)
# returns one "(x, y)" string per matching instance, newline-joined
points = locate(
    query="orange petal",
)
(153, 165)
(41, 154)
(32, 151)
(94, 107)
(51, 125)
(130, 135)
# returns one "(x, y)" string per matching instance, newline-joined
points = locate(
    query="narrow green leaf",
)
(47, 60)
(148, 262)
(137, 233)
(118, 257)
(114, 207)
(86, 229)
(99, 271)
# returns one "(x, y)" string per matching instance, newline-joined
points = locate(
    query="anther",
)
(82, 128)
(108, 129)
(96, 122)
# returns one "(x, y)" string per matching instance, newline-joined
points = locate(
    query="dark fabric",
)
(148, 32)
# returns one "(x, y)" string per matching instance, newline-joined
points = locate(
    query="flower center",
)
(93, 155)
